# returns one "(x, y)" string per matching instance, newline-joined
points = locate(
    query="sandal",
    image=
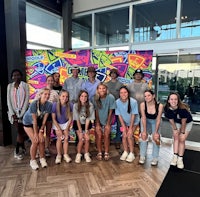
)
(99, 156)
(106, 156)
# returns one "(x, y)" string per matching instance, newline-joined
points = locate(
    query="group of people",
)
(83, 103)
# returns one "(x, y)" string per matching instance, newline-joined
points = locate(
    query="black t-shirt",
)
(57, 88)
(178, 114)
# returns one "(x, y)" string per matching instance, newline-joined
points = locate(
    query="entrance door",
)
(180, 74)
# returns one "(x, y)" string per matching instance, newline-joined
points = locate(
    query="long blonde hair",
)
(97, 97)
(67, 104)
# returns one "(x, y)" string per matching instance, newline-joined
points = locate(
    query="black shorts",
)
(75, 126)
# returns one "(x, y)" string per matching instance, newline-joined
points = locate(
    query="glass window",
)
(82, 32)
(155, 21)
(190, 18)
(43, 28)
(112, 27)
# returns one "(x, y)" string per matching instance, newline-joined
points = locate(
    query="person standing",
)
(18, 101)
(127, 112)
(56, 85)
(83, 114)
(181, 122)
(137, 87)
(90, 85)
(73, 84)
(34, 122)
(114, 86)
(62, 118)
(104, 104)
(151, 117)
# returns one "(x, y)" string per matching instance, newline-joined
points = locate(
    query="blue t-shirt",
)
(108, 103)
(122, 108)
(63, 117)
(40, 112)
(90, 87)
(178, 114)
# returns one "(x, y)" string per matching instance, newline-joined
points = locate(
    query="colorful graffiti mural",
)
(41, 63)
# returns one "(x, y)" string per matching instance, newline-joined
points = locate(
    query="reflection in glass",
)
(155, 21)
(112, 27)
(183, 78)
(82, 31)
(190, 19)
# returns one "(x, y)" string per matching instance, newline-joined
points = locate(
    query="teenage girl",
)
(83, 114)
(62, 118)
(104, 104)
(34, 122)
(151, 117)
(127, 111)
(52, 98)
(181, 122)
(18, 101)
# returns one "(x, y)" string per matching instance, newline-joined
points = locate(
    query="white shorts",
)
(62, 126)
(188, 127)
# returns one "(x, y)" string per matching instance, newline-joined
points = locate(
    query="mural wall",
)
(41, 63)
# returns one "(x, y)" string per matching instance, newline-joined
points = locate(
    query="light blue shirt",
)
(122, 108)
(73, 86)
(90, 87)
(108, 103)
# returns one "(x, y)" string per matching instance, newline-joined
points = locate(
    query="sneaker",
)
(58, 159)
(47, 152)
(180, 164)
(87, 157)
(124, 156)
(130, 157)
(142, 160)
(174, 160)
(67, 158)
(154, 162)
(43, 162)
(78, 158)
(18, 156)
(34, 165)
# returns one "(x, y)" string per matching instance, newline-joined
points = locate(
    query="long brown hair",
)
(67, 104)
(87, 104)
(180, 104)
(97, 97)
(129, 102)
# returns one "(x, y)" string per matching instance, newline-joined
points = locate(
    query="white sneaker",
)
(34, 165)
(174, 160)
(180, 164)
(154, 162)
(78, 158)
(18, 156)
(67, 158)
(142, 160)
(58, 159)
(124, 156)
(130, 157)
(43, 162)
(87, 157)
